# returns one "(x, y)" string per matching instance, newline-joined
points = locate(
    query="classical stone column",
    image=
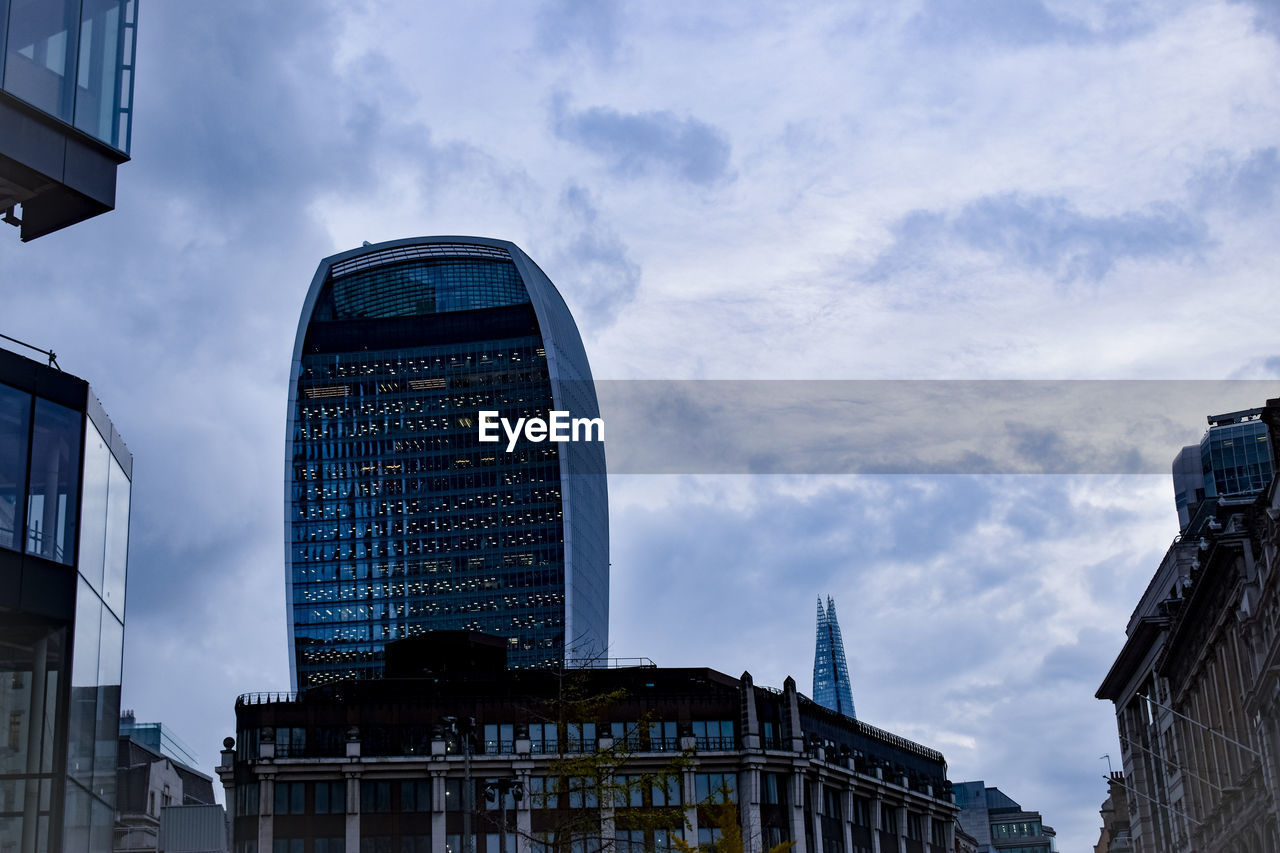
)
(689, 796)
(352, 774)
(438, 773)
(266, 805)
(796, 798)
(817, 802)
(876, 806)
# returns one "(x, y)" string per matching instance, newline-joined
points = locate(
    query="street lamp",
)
(463, 728)
(496, 791)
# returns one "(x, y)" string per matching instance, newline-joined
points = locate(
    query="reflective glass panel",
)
(107, 721)
(98, 71)
(93, 506)
(78, 819)
(30, 665)
(117, 545)
(40, 55)
(82, 725)
(15, 425)
(55, 470)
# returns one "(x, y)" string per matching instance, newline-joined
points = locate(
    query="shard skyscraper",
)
(831, 687)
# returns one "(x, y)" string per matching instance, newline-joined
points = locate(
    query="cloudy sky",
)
(994, 189)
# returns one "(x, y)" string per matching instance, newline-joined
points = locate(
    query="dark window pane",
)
(15, 424)
(55, 469)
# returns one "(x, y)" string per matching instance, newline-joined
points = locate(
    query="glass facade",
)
(398, 519)
(72, 59)
(831, 688)
(64, 522)
(1236, 458)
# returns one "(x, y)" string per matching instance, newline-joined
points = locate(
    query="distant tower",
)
(830, 671)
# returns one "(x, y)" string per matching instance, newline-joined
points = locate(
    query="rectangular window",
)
(629, 791)
(493, 841)
(714, 735)
(629, 840)
(15, 420)
(914, 831)
(830, 802)
(415, 795)
(415, 844)
(291, 797)
(247, 799)
(54, 479)
(543, 792)
(626, 736)
(499, 739)
(889, 820)
(543, 739)
(775, 789)
(331, 797)
(453, 795)
(582, 792)
(580, 737)
(666, 791)
(290, 742)
(714, 788)
(287, 845)
(662, 737)
(861, 811)
(331, 845)
(375, 796)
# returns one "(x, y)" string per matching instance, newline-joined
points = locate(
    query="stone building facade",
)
(1197, 685)
(416, 765)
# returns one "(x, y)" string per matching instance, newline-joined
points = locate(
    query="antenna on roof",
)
(53, 357)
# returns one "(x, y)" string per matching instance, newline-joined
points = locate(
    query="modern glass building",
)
(1233, 460)
(831, 688)
(398, 519)
(64, 535)
(998, 823)
(66, 107)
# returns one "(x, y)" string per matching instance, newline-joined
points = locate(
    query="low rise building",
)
(1115, 836)
(148, 785)
(619, 758)
(998, 824)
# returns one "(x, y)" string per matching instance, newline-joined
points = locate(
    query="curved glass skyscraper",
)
(398, 520)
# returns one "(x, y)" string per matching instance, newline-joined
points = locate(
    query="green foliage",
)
(600, 778)
(722, 814)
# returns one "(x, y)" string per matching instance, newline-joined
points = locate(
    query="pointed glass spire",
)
(831, 688)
